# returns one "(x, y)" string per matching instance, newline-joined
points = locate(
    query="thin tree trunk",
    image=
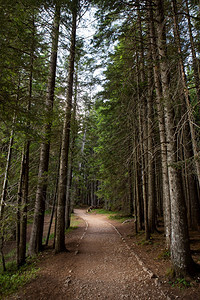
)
(52, 214)
(35, 244)
(138, 223)
(194, 57)
(24, 174)
(6, 174)
(143, 124)
(68, 196)
(73, 140)
(1, 250)
(4, 191)
(151, 174)
(23, 206)
(139, 191)
(191, 183)
(130, 184)
(60, 225)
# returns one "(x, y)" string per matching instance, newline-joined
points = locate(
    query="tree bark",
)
(180, 250)
(150, 150)
(162, 132)
(23, 194)
(193, 208)
(142, 121)
(73, 140)
(194, 57)
(24, 174)
(186, 92)
(60, 224)
(35, 244)
(6, 174)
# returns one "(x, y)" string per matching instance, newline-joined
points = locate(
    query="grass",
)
(103, 211)
(120, 218)
(112, 215)
(14, 278)
(9, 255)
(73, 224)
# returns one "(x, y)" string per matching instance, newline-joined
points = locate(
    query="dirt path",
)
(98, 266)
(106, 269)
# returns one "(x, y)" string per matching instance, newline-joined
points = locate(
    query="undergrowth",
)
(165, 254)
(14, 278)
(181, 283)
(144, 242)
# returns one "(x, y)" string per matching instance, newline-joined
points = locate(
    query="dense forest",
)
(100, 106)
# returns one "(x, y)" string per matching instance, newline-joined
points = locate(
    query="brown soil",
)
(105, 261)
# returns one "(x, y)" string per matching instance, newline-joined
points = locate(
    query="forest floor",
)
(106, 260)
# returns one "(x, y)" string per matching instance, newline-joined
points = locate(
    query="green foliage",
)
(10, 258)
(112, 215)
(120, 218)
(181, 283)
(102, 211)
(114, 114)
(73, 224)
(13, 278)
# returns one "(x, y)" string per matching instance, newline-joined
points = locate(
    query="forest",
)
(100, 106)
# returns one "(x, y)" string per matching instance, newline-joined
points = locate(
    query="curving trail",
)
(105, 268)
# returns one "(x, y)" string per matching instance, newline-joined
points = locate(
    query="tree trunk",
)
(130, 185)
(162, 133)
(194, 57)
(191, 183)
(73, 140)
(180, 250)
(8, 162)
(24, 174)
(35, 244)
(4, 192)
(60, 225)
(140, 202)
(21, 258)
(53, 210)
(52, 214)
(150, 150)
(186, 92)
(142, 110)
